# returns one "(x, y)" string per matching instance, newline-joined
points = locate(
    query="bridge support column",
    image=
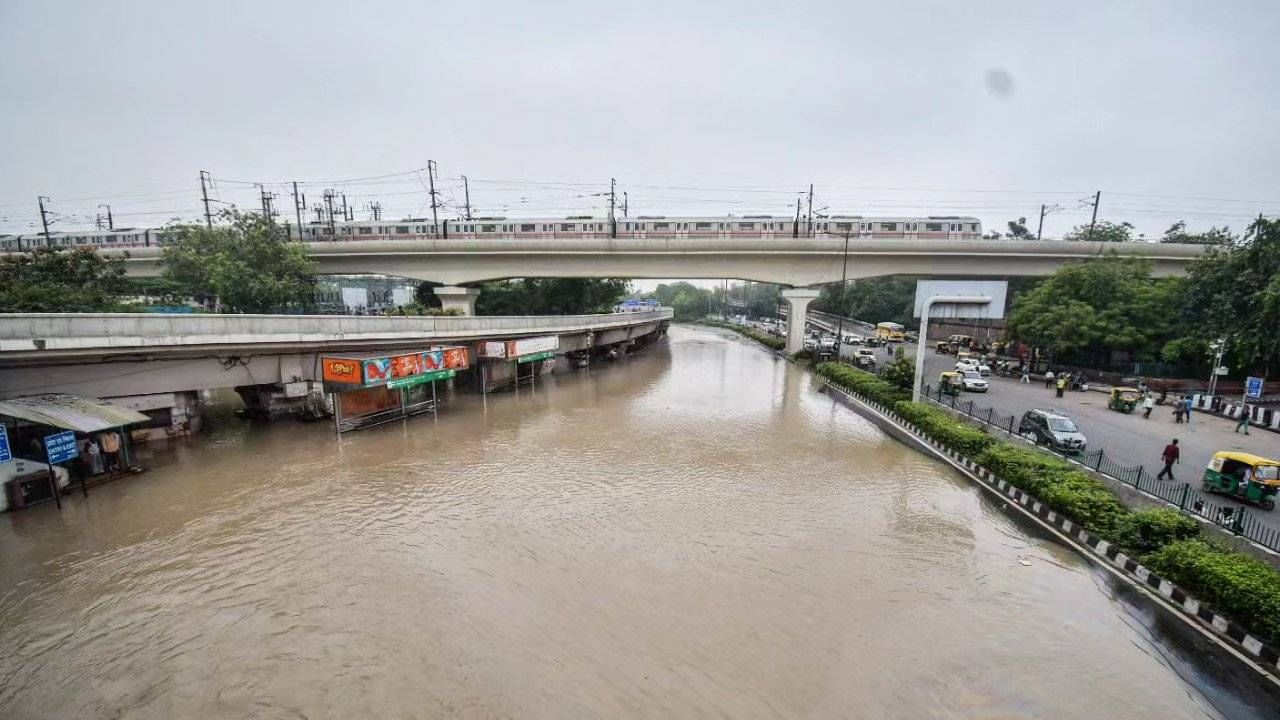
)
(798, 300)
(459, 298)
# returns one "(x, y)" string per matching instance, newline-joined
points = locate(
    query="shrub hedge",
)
(763, 338)
(862, 382)
(1245, 589)
(1167, 541)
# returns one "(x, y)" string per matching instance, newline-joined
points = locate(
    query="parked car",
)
(1052, 428)
(864, 358)
(973, 381)
(975, 365)
(810, 343)
(851, 339)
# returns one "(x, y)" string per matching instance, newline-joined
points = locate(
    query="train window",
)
(844, 226)
(402, 229)
(528, 228)
(566, 227)
(889, 227)
(702, 226)
(973, 227)
(488, 228)
(660, 226)
(746, 226)
(933, 227)
(366, 231)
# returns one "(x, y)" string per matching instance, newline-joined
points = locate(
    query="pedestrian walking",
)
(1148, 404)
(1186, 405)
(1062, 385)
(1026, 374)
(1178, 409)
(1170, 456)
(1243, 421)
(1048, 379)
(90, 450)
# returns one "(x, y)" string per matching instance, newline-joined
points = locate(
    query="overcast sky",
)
(987, 108)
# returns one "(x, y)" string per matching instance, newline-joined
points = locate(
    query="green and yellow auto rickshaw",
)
(951, 382)
(1251, 478)
(1124, 399)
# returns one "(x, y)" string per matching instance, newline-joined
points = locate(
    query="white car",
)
(810, 344)
(977, 366)
(973, 381)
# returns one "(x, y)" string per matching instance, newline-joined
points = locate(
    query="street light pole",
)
(1218, 346)
(924, 331)
(844, 277)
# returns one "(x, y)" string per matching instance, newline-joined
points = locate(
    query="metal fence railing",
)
(1230, 516)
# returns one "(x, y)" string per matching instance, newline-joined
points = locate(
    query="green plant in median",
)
(945, 428)
(1146, 531)
(765, 339)
(1245, 589)
(862, 382)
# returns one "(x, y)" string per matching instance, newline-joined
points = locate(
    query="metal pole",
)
(204, 195)
(1041, 228)
(1096, 199)
(435, 402)
(844, 279)
(924, 333)
(337, 413)
(53, 485)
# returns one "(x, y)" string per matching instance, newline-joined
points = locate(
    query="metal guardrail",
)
(1188, 499)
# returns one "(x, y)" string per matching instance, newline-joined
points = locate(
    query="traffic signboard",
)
(5, 455)
(1253, 387)
(536, 356)
(61, 447)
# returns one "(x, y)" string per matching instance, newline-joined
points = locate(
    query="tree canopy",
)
(551, 296)
(1103, 231)
(1177, 233)
(879, 299)
(58, 280)
(246, 266)
(687, 301)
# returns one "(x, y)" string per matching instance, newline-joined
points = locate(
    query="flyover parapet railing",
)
(1231, 517)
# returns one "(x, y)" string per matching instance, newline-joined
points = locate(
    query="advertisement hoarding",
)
(344, 371)
(492, 349)
(455, 358)
(403, 366)
(527, 346)
(377, 370)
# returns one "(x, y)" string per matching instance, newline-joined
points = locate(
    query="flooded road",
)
(695, 532)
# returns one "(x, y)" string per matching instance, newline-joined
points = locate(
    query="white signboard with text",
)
(993, 289)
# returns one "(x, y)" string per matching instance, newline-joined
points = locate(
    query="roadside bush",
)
(1025, 468)
(1239, 586)
(862, 382)
(1146, 531)
(945, 428)
(1071, 492)
(765, 339)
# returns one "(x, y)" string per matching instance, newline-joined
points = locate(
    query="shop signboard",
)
(377, 370)
(455, 358)
(5, 454)
(403, 366)
(536, 356)
(344, 371)
(61, 447)
(492, 349)
(528, 346)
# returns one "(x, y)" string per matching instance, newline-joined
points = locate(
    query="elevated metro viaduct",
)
(801, 263)
(153, 362)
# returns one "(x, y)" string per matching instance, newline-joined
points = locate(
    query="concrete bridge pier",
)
(458, 298)
(798, 300)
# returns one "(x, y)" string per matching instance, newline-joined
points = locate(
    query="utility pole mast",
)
(431, 180)
(329, 209)
(809, 217)
(44, 220)
(1096, 199)
(298, 207)
(267, 198)
(466, 192)
(1040, 229)
(795, 232)
(204, 195)
(613, 223)
(376, 209)
(346, 211)
(110, 222)
(624, 203)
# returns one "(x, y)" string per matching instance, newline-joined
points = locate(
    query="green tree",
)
(1104, 231)
(1177, 233)
(551, 296)
(874, 300)
(58, 280)
(901, 371)
(687, 301)
(424, 294)
(246, 266)
(1233, 291)
(1018, 230)
(1089, 309)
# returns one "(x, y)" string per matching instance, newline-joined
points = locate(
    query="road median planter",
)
(1226, 593)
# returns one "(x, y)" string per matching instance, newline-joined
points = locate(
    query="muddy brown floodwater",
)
(694, 532)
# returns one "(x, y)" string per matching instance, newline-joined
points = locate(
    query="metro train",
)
(933, 227)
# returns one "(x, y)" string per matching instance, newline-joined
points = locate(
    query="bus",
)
(890, 332)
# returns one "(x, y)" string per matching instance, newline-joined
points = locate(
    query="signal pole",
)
(466, 191)
(1096, 199)
(431, 180)
(204, 195)
(44, 220)
(298, 207)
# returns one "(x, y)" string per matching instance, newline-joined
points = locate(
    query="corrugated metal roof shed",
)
(71, 412)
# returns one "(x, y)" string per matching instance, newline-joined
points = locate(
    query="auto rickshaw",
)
(951, 382)
(1251, 478)
(943, 347)
(1124, 399)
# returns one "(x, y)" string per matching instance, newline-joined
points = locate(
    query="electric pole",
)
(809, 218)
(1040, 229)
(204, 195)
(613, 223)
(346, 212)
(329, 210)
(431, 180)
(795, 232)
(624, 203)
(44, 220)
(268, 211)
(466, 193)
(110, 223)
(376, 209)
(1096, 199)
(298, 207)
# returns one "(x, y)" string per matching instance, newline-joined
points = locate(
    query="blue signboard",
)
(61, 447)
(5, 455)
(1253, 387)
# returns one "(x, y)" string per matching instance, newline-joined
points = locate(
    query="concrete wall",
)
(786, 261)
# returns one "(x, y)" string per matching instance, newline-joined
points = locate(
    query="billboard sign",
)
(343, 371)
(492, 349)
(455, 358)
(1253, 387)
(61, 447)
(377, 371)
(5, 454)
(433, 360)
(993, 289)
(403, 366)
(528, 346)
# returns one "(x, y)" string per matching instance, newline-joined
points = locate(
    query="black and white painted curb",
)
(1267, 657)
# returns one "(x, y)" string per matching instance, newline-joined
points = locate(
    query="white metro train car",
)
(942, 227)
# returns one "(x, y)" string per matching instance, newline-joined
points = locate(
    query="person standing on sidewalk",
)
(1026, 373)
(1148, 404)
(1048, 379)
(1170, 455)
(1186, 406)
(1177, 411)
(1062, 384)
(1243, 422)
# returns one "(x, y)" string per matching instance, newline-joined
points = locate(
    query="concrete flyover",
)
(127, 355)
(788, 261)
